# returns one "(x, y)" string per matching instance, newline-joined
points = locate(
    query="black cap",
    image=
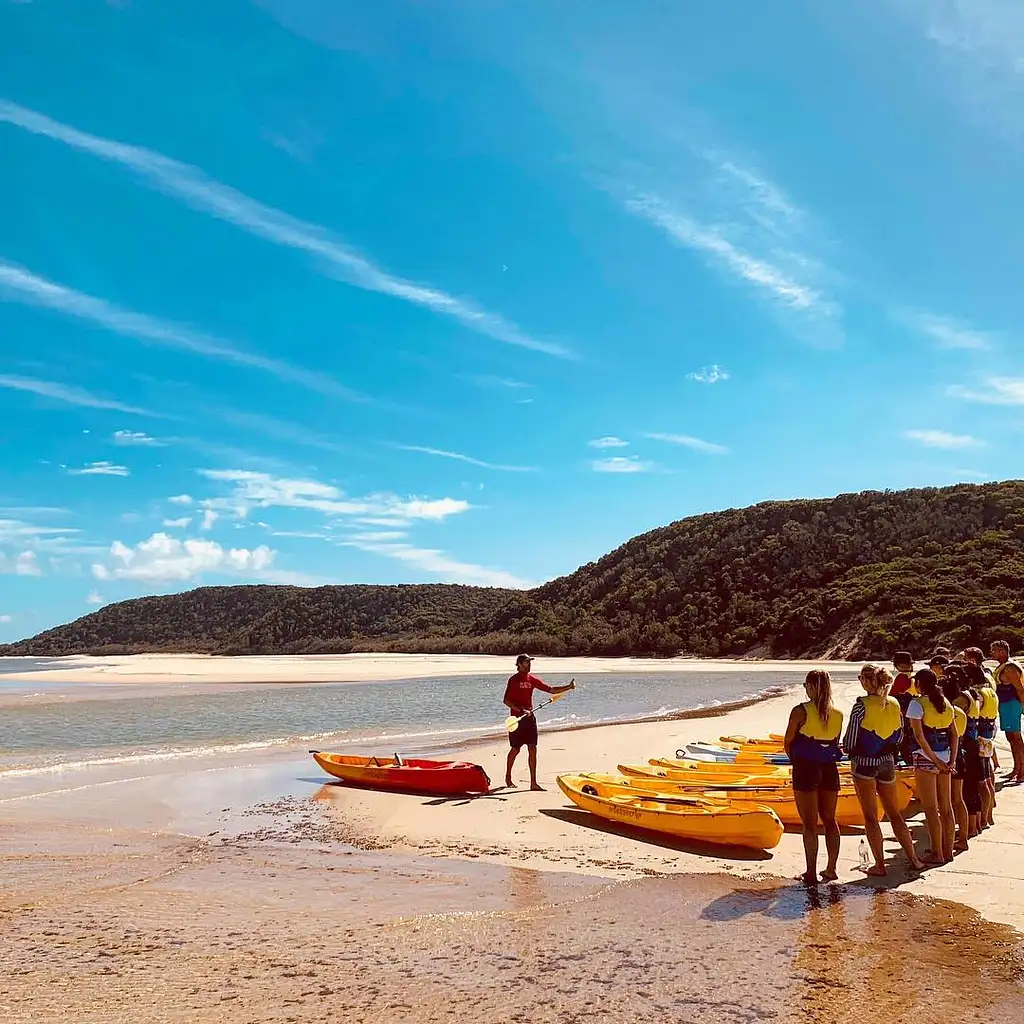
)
(938, 659)
(522, 658)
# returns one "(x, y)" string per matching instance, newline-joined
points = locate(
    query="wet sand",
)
(257, 929)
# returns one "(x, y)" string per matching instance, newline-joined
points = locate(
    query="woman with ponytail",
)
(961, 815)
(812, 745)
(872, 740)
(935, 747)
(988, 715)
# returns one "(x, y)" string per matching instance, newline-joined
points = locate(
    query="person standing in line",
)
(988, 727)
(1009, 679)
(872, 740)
(904, 690)
(968, 699)
(961, 814)
(932, 720)
(812, 745)
(519, 700)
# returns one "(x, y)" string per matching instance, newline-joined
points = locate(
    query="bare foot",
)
(537, 788)
(876, 871)
(930, 860)
(916, 865)
(510, 784)
(808, 878)
(960, 848)
(830, 876)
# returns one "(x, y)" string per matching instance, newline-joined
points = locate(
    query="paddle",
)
(512, 722)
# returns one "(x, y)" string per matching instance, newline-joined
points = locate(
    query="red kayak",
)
(413, 775)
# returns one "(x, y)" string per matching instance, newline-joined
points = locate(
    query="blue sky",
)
(316, 291)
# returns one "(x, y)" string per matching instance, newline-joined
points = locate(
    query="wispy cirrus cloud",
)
(942, 439)
(608, 442)
(21, 285)
(685, 441)
(198, 190)
(66, 392)
(459, 457)
(135, 438)
(181, 523)
(437, 563)
(621, 464)
(994, 391)
(103, 468)
(261, 490)
(709, 374)
(745, 226)
(946, 331)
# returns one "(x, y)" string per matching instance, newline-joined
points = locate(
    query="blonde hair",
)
(819, 685)
(879, 679)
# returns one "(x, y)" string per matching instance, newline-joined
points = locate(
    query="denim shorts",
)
(883, 773)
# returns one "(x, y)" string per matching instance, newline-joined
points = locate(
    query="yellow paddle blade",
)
(511, 723)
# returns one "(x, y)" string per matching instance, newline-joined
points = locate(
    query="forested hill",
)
(853, 576)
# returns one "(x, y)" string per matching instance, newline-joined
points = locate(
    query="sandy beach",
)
(249, 887)
(180, 669)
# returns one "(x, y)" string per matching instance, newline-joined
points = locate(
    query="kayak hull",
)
(773, 793)
(413, 775)
(697, 819)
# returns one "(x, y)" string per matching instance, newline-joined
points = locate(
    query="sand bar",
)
(348, 668)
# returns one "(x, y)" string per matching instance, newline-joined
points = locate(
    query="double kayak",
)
(700, 819)
(412, 775)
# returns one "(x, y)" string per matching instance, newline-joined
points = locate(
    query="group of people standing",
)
(940, 722)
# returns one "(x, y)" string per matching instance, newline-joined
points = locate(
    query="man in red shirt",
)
(519, 700)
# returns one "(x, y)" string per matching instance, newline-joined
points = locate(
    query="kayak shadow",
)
(456, 799)
(585, 819)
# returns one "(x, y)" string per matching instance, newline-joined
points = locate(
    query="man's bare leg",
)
(532, 753)
(512, 755)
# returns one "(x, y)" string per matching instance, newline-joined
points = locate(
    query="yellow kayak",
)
(700, 819)
(766, 792)
(721, 767)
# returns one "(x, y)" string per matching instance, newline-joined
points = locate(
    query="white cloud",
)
(136, 437)
(24, 286)
(621, 464)
(260, 490)
(201, 192)
(999, 391)
(5, 619)
(376, 536)
(183, 523)
(709, 374)
(488, 380)
(686, 441)
(459, 457)
(163, 559)
(744, 225)
(181, 499)
(608, 442)
(946, 331)
(449, 569)
(942, 439)
(95, 597)
(23, 564)
(65, 392)
(209, 518)
(100, 469)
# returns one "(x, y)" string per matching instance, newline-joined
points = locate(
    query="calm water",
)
(39, 730)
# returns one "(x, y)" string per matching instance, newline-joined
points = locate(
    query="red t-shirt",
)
(519, 690)
(901, 684)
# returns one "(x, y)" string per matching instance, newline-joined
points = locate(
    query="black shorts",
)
(809, 776)
(524, 734)
(883, 773)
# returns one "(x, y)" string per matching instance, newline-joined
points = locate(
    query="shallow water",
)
(40, 730)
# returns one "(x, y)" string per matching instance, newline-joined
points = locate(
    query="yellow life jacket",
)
(935, 723)
(959, 720)
(817, 740)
